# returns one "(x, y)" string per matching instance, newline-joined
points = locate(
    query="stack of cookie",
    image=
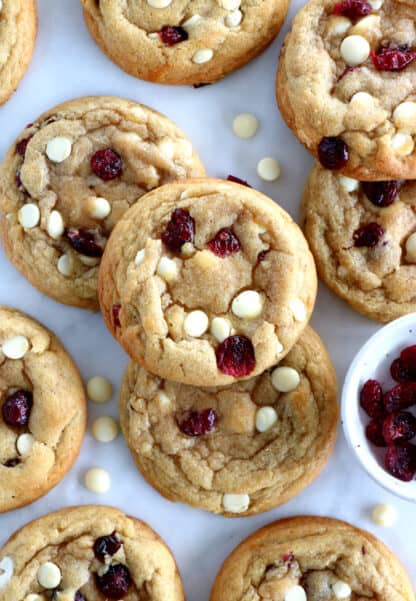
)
(346, 87)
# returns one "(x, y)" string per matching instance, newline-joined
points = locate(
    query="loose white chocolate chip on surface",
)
(202, 56)
(24, 444)
(49, 575)
(29, 215)
(99, 208)
(403, 144)
(268, 169)
(338, 25)
(235, 503)
(348, 183)
(56, 225)
(6, 571)
(355, 50)
(65, 265)
(404, 116)
(99, 389)
(266, 417)
(411, 248)
(159, 3)
(220, 328)
(196, 323)
(191, 21)
(139, 256)
(97, 480)
(341, 590)
(384, 515)
(167, 269)
(58, 149)
(245, 125)
(234, 19)
(247, 304)
(16, 347)
(105, 429)
(296, 593)
(285, 379)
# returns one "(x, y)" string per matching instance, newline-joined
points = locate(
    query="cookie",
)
(71, 176)
(313, 558)
(18, 29)
(88, 553)
(238, 450)
(363, 237)
(206, 282)
(42, 410)
(346, 82)
(177, 42)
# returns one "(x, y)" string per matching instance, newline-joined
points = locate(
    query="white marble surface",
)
(67, 64)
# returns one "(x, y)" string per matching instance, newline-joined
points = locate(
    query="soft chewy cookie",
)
(363, 237)
(70, 177)
(18, 27)
(313, 558)
(205, 282)
(238, 450)
(179, 42)
(88, 553)
(42, 410)
(346, 85)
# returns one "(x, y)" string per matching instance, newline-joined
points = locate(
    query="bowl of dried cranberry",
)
(379, 406)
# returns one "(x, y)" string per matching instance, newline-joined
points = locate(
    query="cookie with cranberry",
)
(363, 237)
(206, 282)
(88, 553)
(172, 42)
(42, 410)
(70, 177)
(236, 450)
(313, 558)
(346, 82)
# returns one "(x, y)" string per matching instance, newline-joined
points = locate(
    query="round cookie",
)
(314, 558)
(42, 410)
(239, 450)
(346, 86)
(205, 282)
(88, 553)
(178, 42)
(18, 29)
(70, 177)
(363, 237)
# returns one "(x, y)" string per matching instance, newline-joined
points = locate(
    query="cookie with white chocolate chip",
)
(178, 42)
(346, 82)
(88, 553)
(206, 282)
(42, 410)
(70, 177)
(237, 450)
(363, 237)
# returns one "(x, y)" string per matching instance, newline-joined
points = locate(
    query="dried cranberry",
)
(381, 194)
(173, 34)
(374, 433)
(235, 356)
(401, 461)
(237, 180)
(333, 153)
(371, 399)
(262, 255)
(400, 397)
(392, 59)
(180, 229)
(16, 408)
(115, 309)
(399, 372)
(368, 235)
(115, 583)
(408, 359)
(225, 243)
(399, 427)
(12, 462)
(84, 242)
(79, 596)
(106, 545)
(288, 557)
(107, 164)
(198, 423)
(22, 145)
(353, 9)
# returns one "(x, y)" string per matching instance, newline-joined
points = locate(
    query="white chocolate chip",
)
(49, 575)
(167, 148)
(99, 208)
(56, 225)
(6, 571)
(220, 328)
(411, 248)
(89, 261)
(58, 149)
(230, 4)
(97, 480)
(296, 593)
(191, 21)
(338, 25)
(153, 35)
(235, 503)
(298, 309)
(376, 4)
(384, 515)
(404, 116)
(342, 590)
(24, 444)
(159, 3)
(163, 399)
(202, 56)
(342, 271)
(362, 100)
(403, 144)
(65, 265)
(1, 4)
(348, 183)
(247, 305)
(367, 25)
(355, 50)
(105, 429)
(245, 125)
(266, 417)
(29, 215)
(234, 19)
(268, 169)
(196, 323)
(285, 379)
(188, 249)
(167, 269)
(139, 256)
(33, 597)
(279, 347)
(99, 389)
(16, 347)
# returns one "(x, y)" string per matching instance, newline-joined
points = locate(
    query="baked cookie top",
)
(86, 554)
(317, 559)
(363, 237)
(70, 177)
(18, 28)
(206, 282)
(42, 410)
(238, 450)
(346, 85)
(180, 42)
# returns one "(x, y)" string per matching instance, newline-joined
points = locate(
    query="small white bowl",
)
(373, 362)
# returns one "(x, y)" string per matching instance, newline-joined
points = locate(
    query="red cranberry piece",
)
(22, 145)
(106, 545)
(237, 180)
(180, 229)
(347, 71)
(107, 164)
(115, 583)
(401, 461)
(333, 153)
(381, 194)
(115, 309)
(288, 557)
(371, 399)
(393, 59)
(399, 372)
(235, 356)
(399, 427)
(198, 423)
(225, 243)
(79, 596)
(353, 9)
(12, 462)
(408, 360)
(374, 433)
(400, 397)
(84, 242)
(16, 408)
(261, 256)
(368, 235)
(173, 34)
